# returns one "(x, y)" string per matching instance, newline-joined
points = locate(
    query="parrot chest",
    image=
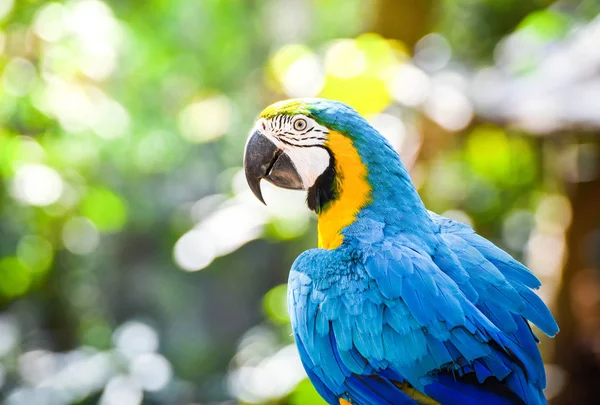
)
(334, 304)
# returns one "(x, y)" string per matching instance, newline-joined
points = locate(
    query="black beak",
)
(264, 160)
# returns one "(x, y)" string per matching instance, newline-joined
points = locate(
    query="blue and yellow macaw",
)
(398, 305)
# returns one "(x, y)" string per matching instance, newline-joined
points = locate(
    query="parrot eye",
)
(300, 124)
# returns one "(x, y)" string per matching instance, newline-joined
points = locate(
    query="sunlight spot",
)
(304, 78)
(206, 205)
(344, 59)
(36, 184)
(134, 338)
(449, 108)
(50, 22)
(92, 20)
(90, 374)
(206, 120)
(80, 236)
(545, 254)
(272, 378)
(37, 365)
(432, 52)
(246, 221)
(557, 379)
(553, 214)
(112, 120)
(152, 371)
(79, 373)
(19, 77)
(67, 102)
(122, 390)
(409, 85)
(99, 64)
(213, 236)
(195, 250)
(98, 34)
(6, 7)
(79, 107)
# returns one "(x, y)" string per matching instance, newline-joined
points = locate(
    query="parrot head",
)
(287, 148)
(326, 148)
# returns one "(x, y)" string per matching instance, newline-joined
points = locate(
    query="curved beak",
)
(264, 160)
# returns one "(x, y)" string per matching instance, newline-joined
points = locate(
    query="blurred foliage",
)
(122, 126)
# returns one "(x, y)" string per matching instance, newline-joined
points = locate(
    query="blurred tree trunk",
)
(406, 20)
(574, 345)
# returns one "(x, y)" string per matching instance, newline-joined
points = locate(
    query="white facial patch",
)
(302, 139)
(309, 162)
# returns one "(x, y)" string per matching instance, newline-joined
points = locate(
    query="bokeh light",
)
(122, 391)
(36, 184)
(152, 371)
(134, 338)
(194, 250)
(206, 120)
(80, 236)
(19, 77)
(409, 85)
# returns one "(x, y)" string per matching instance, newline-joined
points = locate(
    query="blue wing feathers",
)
(512, 269)
(507, 290)
(355, 363)
(450, 391)
(372, 390)
(537, 312)
(428, 317)
(319, 384)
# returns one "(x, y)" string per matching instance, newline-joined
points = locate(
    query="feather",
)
(537, 312)
(451, 391)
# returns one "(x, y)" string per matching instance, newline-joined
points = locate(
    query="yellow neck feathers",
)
(353, 188)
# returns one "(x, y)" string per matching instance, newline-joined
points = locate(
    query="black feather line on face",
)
(325, 189)
(287, 142)
(306, 138)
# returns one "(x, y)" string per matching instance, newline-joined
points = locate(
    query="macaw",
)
(397, 305)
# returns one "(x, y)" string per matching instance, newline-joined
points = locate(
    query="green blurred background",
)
(122, 128)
